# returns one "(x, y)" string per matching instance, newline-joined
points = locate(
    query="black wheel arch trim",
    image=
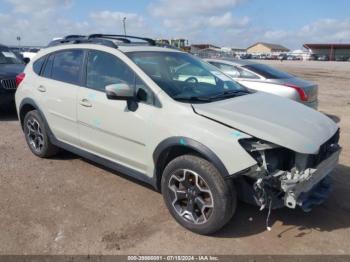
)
(203, 150)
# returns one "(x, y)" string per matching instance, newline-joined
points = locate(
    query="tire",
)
(212, 199)
(36, 135)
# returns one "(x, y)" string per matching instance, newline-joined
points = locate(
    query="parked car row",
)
(181, 124)
(10, 66)
(264, 78)
(315, 57)
(270, 57)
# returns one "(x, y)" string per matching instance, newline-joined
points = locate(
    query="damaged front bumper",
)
(286, 178)
(312, 186)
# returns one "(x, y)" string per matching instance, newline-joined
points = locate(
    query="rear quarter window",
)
(38, 65)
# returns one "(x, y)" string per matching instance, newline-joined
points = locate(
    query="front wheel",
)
(196, 194)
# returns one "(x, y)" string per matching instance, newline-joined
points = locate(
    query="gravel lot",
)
(68, 205)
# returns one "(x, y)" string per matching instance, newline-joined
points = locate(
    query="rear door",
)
(58, 89)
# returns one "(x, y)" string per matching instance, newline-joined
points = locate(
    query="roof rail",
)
(80, 39)
(74, 36)
(123, 38)
(102, 39)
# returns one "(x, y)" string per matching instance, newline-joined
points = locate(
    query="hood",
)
(272, 118)
(10, 70)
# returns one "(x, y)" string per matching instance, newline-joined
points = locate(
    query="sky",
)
(230, 23)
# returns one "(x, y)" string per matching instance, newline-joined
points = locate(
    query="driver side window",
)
(104, 69)
(187, 72)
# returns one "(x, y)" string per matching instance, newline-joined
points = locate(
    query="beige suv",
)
(169, 119)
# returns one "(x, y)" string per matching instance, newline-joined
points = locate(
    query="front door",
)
(107, 127)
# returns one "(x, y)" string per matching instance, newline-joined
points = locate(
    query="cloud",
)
(199, 21)
(111, 22)
(321, 31)
(40, 27)
(184, 8)
(25, 7)
(216, 22)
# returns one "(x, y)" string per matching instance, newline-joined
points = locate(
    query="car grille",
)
(9, 84)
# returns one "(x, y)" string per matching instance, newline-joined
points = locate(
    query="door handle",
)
(85, 102)
(41, 88)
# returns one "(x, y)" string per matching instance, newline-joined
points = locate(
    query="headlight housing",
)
(269, 156)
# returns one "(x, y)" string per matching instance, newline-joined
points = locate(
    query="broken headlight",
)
(270, 157)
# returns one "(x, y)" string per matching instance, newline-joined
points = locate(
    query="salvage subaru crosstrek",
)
(169, 119)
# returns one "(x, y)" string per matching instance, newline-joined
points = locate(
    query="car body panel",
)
(110, 131)
(273, 86)
(10, 70)
(108, 128)
(274, 119)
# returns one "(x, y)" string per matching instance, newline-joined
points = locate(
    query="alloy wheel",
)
(191, 197)
(34, 135)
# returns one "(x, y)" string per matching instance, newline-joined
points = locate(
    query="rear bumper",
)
(6, 98)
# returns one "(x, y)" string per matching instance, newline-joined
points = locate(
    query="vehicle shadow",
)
(8, 115)
(332, 215)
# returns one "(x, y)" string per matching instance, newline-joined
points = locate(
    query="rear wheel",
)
(36, 135)
(196, 194)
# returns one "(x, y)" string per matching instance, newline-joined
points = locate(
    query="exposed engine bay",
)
(283, 177)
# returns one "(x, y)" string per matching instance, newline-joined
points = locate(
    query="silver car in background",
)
(264, 78)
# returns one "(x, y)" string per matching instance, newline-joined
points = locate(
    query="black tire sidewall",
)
(224, 195)
(35, 115)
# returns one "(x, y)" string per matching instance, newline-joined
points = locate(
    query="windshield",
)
(186, 78)
(8, 57)
(268, 72)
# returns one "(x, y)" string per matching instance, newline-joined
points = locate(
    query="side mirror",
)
(26, 60)
(142, 95)
(119, 91)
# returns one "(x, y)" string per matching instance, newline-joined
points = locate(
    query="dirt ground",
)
(68, 205)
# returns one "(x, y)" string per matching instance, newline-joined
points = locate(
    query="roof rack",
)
(102, 39)
(123, 38)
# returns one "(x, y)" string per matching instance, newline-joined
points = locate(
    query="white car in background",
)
(30, 54)
(261, 77)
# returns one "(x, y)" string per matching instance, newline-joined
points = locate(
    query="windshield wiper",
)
(230, 93)
(192, 98)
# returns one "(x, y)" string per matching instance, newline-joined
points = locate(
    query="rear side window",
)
(38, 65)
(67, 66)
(267, 71)
(46, 72)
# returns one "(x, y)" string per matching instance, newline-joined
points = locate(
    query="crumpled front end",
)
(283, 177)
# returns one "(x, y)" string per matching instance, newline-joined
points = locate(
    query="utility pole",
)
(124, 25)
(19, 42)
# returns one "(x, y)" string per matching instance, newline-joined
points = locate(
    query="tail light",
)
(303, 96)
(20, 78)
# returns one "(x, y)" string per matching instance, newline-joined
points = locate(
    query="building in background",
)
(332, 52)
(197, 47)
(266, 49)
(178, 42)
